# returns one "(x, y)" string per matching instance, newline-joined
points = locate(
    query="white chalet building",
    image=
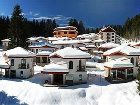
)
(124, 51)
(120, 69)
(21, 63)
(69, 66)
(108, 34)
(41, 46)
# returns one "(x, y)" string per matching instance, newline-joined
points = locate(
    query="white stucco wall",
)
(26, 72)
(74, 71)
(40, 49)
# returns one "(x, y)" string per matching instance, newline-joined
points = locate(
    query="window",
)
(137, 64)
(62, 47)
(70, 65)
(72, 46)
(80, 63)
(71, 32)
(27, 66)
(23, 64)
(132, 60)
(12, 62)
(101, 36)
(44, 59)
(54, 33)
(65, 32)
(112, 39)
(48, 60)
(37, 59)
(5, 44)
(108, 34)
(112, 33)
(80, 77)
(21, 72)
(36, 50)
(129, 71)
(112, 36)
(23, 61)
(58, 33)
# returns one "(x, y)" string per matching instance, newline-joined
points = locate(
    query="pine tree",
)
(81, 28)
(16, 29)
(73, 22)
(4, 24)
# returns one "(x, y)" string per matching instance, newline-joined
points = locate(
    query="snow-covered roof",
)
(119, 63)
(70, 52)
(107, 29)
(109, 45)
(36, 38)
(19, 52)
(85, 41)
(41, 44)
(65, 28)
(83, 48)
(65, 42)
(44, 53)
(99, 52)
(6, 40)
(90, 35)
(71, 41)
(57, 38)
(135, 44)
(90, 46)
(99, 40)
(56, 68)
(128, 50)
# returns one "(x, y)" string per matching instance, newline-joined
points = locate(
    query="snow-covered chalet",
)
(18, 63)
(124, 51)
(67, 67)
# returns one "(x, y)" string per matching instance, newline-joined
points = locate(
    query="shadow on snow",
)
(9, 100)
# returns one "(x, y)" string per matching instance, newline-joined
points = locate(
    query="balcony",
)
(23, 66)
(80, 68)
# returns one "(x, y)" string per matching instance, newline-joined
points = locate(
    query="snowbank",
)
(97, 92)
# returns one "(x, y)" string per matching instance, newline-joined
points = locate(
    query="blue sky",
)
(94, 13)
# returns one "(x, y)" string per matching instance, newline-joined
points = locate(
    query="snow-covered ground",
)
(96, 92)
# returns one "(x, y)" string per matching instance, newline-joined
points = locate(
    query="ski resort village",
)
(89, 69)
(77, 52)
